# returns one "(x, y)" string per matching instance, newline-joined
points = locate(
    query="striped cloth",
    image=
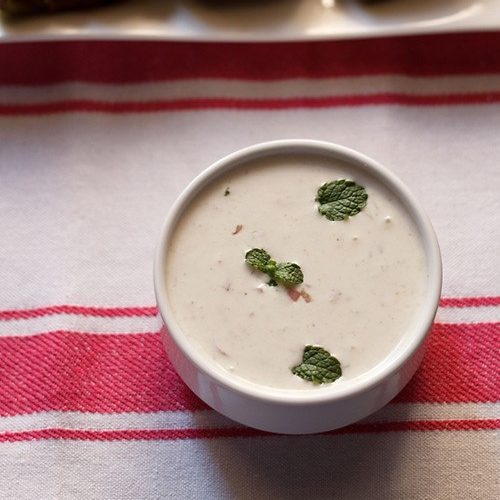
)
(96, 141)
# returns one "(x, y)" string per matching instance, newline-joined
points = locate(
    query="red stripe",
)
(469, 301)
(139, 311)
(128, 61)
(123, 373)
(174, 434)
(91, 106)
(461, 365)
(101, 312)
(85, 372)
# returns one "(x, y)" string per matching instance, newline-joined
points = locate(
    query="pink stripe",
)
(461, 365)
(92, 106)
(126, 62)
(174, 434)
(148, 311)
(70, 371)
(469, 301)
(84, 372)
(102, 312)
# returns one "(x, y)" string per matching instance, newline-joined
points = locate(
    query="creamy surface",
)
(366, 276)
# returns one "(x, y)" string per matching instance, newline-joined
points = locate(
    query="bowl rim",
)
(396, 359)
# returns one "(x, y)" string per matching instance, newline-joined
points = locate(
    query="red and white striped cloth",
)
(96, 141)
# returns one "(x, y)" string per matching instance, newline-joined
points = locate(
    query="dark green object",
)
(258, 258)
(341, 199)
(285, 273)
(318, 366)
(288, 273)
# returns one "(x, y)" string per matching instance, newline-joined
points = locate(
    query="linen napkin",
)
(96, 141)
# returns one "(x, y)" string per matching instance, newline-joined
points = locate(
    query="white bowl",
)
(299, 412)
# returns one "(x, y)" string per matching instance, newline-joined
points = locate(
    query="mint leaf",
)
(318, 366)
(258, 258)
(341, 199)
(285, 273)
(288, 274)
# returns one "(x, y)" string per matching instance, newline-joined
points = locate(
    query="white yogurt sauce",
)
(366, 276)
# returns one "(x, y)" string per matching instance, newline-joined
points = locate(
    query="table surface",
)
(96, 141)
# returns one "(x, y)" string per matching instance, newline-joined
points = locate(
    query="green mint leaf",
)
(341, 199)
(259, 259)
(285, 273)
(318, 366)
(288, 274)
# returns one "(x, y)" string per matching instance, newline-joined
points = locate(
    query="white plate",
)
(258, 20)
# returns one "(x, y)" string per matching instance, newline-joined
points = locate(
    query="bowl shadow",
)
(331, 465)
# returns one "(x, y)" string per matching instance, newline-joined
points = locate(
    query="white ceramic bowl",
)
(299, 412)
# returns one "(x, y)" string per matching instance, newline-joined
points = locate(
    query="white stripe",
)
(99, 187)
(208, 419)
(115, 421)
(79, 323)
(403, 412)
(483, 314)
(211, 88)
(144, 324)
